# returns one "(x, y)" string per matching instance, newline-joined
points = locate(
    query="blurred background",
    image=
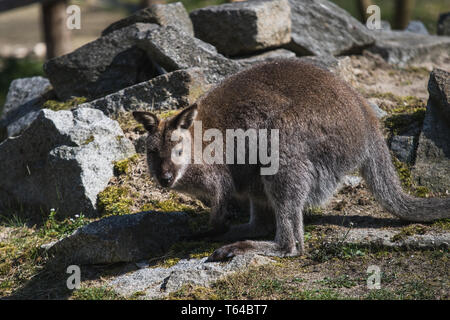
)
(22, 40)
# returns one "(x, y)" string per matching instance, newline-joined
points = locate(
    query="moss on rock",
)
(114, 201)
(66, 105)
(123, 166)
(406, 179)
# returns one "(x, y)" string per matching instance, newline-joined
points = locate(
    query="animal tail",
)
(381, 176)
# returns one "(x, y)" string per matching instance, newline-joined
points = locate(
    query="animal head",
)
(168, 144)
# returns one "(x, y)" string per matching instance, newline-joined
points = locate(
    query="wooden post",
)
(56, 33)
(362, 8)
(403, 12)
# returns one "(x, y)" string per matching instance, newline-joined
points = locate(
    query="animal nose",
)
(167, 176)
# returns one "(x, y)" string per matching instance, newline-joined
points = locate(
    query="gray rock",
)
(173, 90)
(102, 66)
(172, 14)
(61, 161)
(416, 26)
(320, 27)
(125, 238)
(432, 167)
(244, 27)
(159, 282)
(402, 48)
(350, 181)
(24, 99)
(23, 90)
(403, 147)
(173, 49)
(266, 56)
(385, 25)
(386, 238)
(327, 62)
(443, 26)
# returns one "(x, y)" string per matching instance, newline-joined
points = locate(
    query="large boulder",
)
(402, 47)
(320, 27)
(24, 99)
(244, 27)
(125, 238)
(432, 167)
(443, 26)
(173, 49)
(172, 14)
(103, 66)
(61, 161)
(174, 90)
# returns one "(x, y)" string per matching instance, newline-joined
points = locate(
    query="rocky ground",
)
(130, 243)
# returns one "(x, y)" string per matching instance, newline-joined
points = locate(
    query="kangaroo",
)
(326, 130)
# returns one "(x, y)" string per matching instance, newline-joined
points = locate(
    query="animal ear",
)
(185, 118)
(147, 119)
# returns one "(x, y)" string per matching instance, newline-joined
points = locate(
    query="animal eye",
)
(179, 152)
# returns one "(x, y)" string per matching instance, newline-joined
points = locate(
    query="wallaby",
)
(326, 130)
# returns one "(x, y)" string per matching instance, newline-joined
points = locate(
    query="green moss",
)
(442, 224)
(171, 205)
(95, 293)
(402, 119)
(167, 114)
(191, 292)
(167, 206)
(318, 211)
(406, 179)
(404, 173)
(422, 191)
(194, 249)
(343, 281)
(418, 70)
(114, 201)
(129, 124)
(409, 231)
(88, 140)
(66, 105)
(123, 166)
(185, 250)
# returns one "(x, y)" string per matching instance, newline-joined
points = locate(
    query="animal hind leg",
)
(287, 198)
(261, 223)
